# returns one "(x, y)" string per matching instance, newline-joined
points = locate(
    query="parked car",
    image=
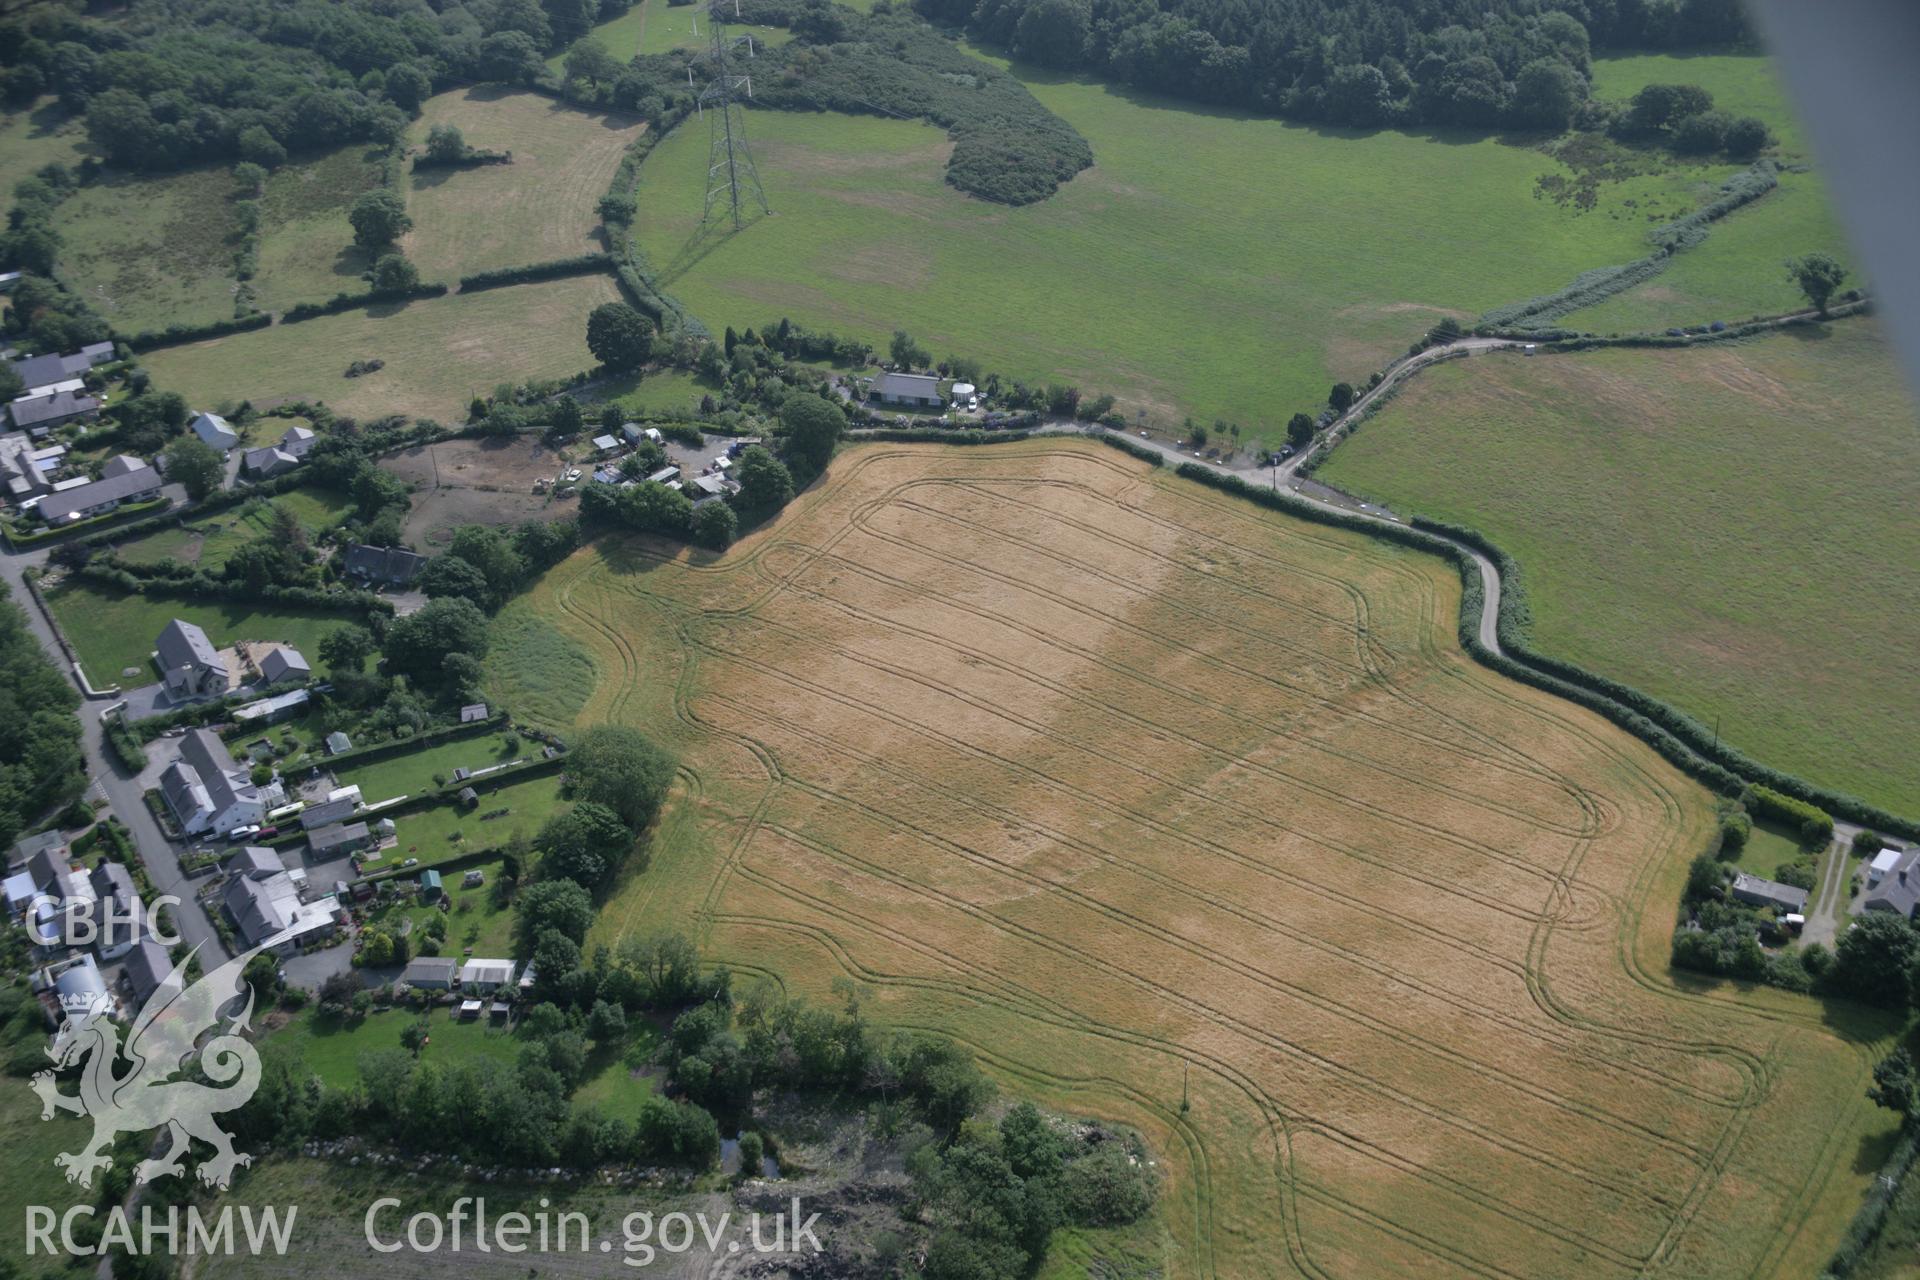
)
(241, 833)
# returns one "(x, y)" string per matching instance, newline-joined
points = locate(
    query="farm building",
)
(605, 444)
(338, 839)
(920, 390)
(1756, 892)
(394, 566)
(1898, 890)
(215, 431)
(283, 664)
(190, 666)
(209, 791)
(133, 481)
(430, 973)
(483, 977)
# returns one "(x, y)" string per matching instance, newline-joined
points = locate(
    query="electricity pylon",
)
(732, 181)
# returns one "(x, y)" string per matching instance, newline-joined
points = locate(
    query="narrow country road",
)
(121, 792)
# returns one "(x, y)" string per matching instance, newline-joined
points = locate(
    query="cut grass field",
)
(113, 632)
(545, 205)
(307, 253)
(439, 352)
(668, 27)
(1196, 818)
(1722, 527)
(1178, 273)
(332, 1050)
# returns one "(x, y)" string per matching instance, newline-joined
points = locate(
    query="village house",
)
(1898, 888)
(122, 480)
(190, 667)
(214, 430)
(209, 791)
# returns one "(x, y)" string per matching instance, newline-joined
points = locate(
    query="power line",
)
(732, 181)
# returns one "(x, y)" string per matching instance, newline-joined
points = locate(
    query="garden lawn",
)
(1211, 263)
(543, 206)
(332, 1050)
(209, 542)
(1739, 271)
(113, 632)
(474, 923)
(307, 253)
(439, 352)
(1726, 527)
(412, 773)
(148, 252)
(671, 391)
(447, 831)
(1768, 849)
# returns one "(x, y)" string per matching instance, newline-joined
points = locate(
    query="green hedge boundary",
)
(952, 435)
(178, 334)
(349, 301)
(560, 268)
(414, 742)
(1872, 1217)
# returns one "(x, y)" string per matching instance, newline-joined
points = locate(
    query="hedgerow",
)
(175, 334)
(1595, 286)
(348, 301)
(584, 264)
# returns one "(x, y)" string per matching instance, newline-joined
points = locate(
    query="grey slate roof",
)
(27, 846)
(323, 815)
(337, 836)
(270, 460)
(1756, 892)
(1898, 890)
(185, 644)
(284, 664)
(57, 407)
(255, 861)
(112, 880)
(44, 371)
(395, 565)
(435, 969)
(122, 464)
(147, 967)
(225, 781)
(918, 386)
(56, 507)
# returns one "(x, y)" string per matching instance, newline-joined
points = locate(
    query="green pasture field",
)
(28, 1175)
(411, 774)
(1725, 527)
(307, 253)
(666, 28)
(36, 136)
(211, 541)
(1211, 263)
(535, 669)
(542, 206)
(150, 251)
(114, 632)
(620, 35)
(439, 352)
(430, 834)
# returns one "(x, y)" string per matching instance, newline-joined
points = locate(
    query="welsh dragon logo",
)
(147, 1095)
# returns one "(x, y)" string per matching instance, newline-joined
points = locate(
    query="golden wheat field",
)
(1195, 817)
